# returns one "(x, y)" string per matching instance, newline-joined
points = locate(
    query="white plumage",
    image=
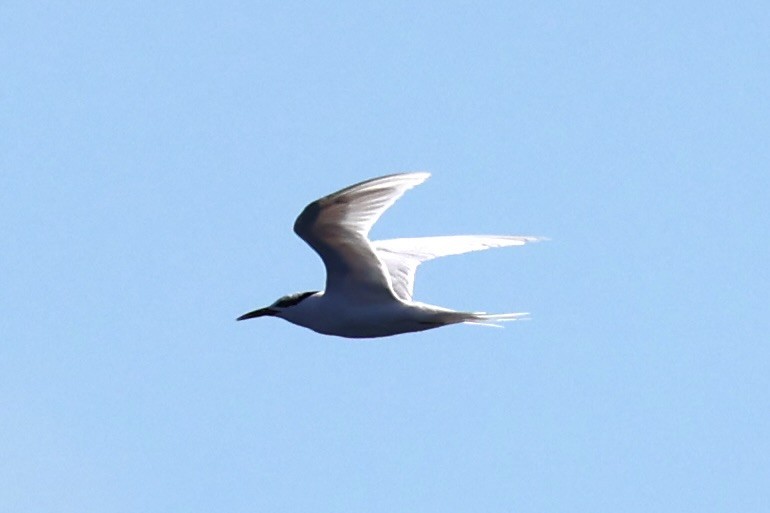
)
(369, 285)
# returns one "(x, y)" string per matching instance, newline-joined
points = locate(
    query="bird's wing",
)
(402, 256)
(337, 228)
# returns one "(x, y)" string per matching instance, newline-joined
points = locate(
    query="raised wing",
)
(337, 228)
(402, 256)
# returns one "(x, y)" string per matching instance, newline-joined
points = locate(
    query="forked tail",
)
(438, 316)
(493, 320)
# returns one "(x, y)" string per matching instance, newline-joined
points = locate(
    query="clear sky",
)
(154, 155)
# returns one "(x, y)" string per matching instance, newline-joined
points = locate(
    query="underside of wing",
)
(402, 256)
(337, 228)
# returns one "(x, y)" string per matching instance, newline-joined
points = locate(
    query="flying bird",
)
(369, 284)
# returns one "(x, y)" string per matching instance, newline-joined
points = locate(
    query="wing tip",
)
(417, 177)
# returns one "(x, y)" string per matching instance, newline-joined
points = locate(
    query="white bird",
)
(369, 284)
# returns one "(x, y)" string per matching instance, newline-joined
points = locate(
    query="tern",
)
(369, 284)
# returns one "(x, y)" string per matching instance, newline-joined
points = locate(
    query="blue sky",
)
(154, 155)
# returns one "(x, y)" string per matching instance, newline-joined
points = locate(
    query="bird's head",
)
(278, 307)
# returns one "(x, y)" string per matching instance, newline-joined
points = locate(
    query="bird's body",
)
(369, 284)
(357, 319)
(350, 318)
